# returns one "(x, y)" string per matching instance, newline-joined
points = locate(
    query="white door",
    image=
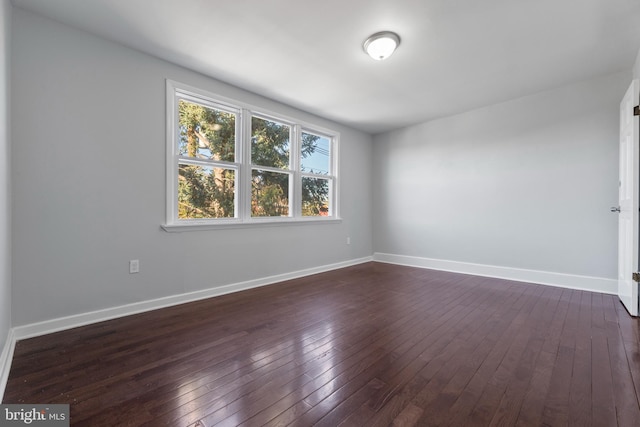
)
(628, 200)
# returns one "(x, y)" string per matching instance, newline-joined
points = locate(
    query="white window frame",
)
(242, 163)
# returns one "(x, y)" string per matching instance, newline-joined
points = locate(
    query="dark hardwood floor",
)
(370, 345)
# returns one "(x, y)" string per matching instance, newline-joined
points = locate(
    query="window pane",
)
(315, 154)
(270, 143)
(206, 133)
(269, 193)
(205, 192)
(315, 196)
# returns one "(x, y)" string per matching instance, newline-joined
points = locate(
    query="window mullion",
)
(245, 172)
(296, 189)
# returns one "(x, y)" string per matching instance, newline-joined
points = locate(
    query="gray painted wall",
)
(5, 178)
(523, 184)
(89, 184)
(636, 67)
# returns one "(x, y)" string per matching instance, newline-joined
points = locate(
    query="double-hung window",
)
(230, 163)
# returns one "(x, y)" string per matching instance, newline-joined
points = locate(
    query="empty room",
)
(332, 213)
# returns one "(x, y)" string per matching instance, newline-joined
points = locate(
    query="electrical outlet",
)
(134, 266)
(348, 240)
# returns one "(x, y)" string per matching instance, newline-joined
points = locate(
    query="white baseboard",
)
(5, 361)
(570, 281)
(63, 323)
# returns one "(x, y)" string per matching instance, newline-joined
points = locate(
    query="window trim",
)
(242, 165)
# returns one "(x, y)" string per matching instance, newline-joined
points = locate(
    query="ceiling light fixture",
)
(381, 45)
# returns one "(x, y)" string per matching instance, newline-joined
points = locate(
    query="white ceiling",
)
(455, 55)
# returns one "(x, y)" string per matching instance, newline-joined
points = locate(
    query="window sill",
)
(203, 226)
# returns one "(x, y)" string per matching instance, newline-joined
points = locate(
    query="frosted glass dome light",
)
(381, 45)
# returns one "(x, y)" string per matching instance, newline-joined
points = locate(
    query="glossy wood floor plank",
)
(369, 345)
